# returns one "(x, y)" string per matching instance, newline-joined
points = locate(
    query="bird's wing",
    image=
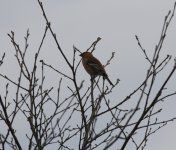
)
(96, 65)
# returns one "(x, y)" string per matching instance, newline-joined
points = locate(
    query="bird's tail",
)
(106, 77)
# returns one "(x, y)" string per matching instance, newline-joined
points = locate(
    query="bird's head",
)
(86, 54)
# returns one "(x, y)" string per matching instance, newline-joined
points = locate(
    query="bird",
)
(93, 66)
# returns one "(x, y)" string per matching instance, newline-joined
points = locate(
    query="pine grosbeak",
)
(93, 66)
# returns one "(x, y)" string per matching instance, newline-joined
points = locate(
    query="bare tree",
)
(96, 127)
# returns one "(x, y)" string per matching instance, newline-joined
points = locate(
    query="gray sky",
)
(80, 22)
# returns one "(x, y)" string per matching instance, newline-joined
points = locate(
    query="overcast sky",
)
(80, 22)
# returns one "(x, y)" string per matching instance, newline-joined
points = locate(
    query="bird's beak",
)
(80, 55)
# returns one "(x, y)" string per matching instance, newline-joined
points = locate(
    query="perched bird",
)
(93, 66)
